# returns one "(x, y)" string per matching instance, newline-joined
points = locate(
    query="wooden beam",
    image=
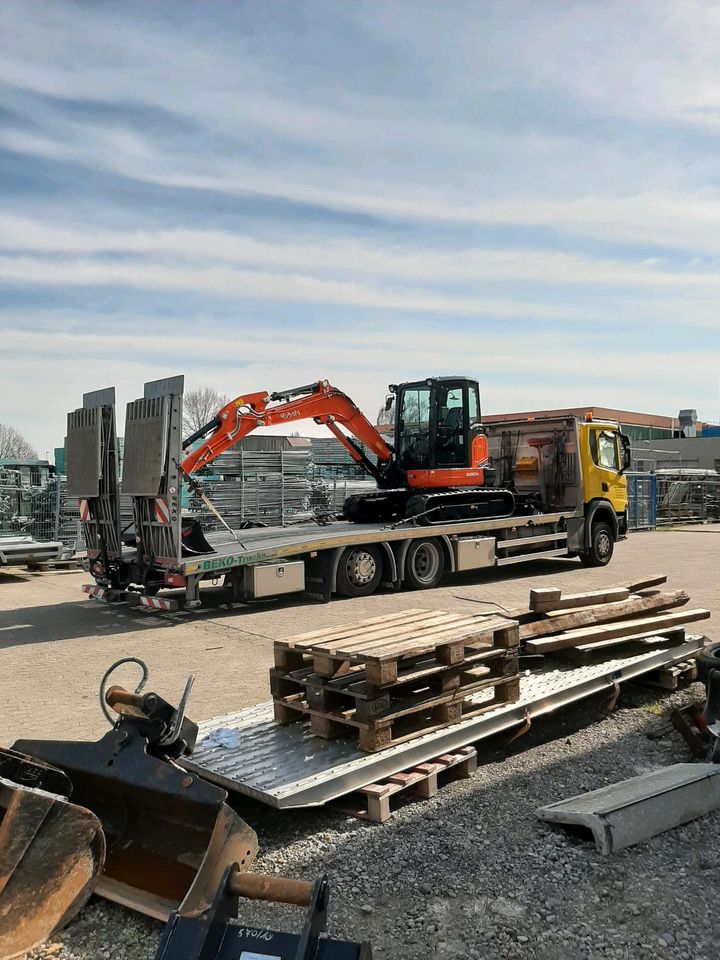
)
(634, 585)
(542, 602)
(602, 613)
(614, 631)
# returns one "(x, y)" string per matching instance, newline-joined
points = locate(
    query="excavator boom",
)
(319, 401)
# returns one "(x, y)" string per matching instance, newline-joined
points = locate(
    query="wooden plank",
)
(442, 625)
(586, 651)
(634, 585)
(603, 613)
(468, 630)
(541, 602)
(612, 631)
(349, 629)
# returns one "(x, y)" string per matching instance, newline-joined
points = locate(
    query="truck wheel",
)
(708, 660)
(359, 571)
(424, 564)
(601, 547)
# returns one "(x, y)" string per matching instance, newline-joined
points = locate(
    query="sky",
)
(261, 194)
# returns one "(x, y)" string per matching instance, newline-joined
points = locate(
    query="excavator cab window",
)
(436, 420)
(451, 428)
(414, 428)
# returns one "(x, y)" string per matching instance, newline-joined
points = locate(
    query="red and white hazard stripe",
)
(84, 510)
(93, 590)
(161, 509)
(157, 603)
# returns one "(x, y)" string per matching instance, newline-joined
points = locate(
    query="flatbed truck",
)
(574, 470)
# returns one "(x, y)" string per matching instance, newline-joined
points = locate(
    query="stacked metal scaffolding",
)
(271, 487)
(328, 496)
(15, 513)
(331, 461)
(684, 499)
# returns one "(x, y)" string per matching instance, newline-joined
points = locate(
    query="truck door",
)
(604, 477)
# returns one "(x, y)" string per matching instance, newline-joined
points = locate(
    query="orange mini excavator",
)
(434, 472)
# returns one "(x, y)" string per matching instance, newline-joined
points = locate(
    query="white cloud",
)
(523, 192)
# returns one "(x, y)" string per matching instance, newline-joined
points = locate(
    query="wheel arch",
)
(390, 563)
(599, 511)
(449, 555)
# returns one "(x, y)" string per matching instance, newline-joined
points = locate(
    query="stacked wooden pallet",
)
(584, 625)
(396, 677)
(376, 801)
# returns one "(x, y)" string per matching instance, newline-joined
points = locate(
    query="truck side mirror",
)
(389, 401)
(626, 453)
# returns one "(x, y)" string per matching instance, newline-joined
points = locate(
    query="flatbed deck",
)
(284, 766)
(256, 544)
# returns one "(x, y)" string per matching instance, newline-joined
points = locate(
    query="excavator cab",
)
(437, 427)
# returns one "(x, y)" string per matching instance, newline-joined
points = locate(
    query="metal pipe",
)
(259, 886)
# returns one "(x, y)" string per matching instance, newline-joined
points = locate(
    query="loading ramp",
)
(248, 753)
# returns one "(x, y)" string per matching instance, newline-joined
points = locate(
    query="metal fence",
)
(656, 500)
(642, 501)
(695, 500)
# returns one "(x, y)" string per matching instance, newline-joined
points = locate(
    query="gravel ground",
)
(473, 874)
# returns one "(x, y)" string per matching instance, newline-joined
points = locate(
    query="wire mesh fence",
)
(642, 501)
(694, 500)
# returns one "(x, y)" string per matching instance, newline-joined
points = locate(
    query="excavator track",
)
(456, 506)
(430, 508)
(385, 506)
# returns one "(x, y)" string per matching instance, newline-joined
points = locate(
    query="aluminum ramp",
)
(284, 766)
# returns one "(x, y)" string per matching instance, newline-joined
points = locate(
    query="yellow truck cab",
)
(604, 454)
(574, 471)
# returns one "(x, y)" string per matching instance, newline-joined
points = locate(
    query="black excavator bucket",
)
(51, 853)
(215, 934)
(169, 834)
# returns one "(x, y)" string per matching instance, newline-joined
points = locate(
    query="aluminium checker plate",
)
(284, 766)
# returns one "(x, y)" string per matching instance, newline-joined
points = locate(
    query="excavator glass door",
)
(435, 422)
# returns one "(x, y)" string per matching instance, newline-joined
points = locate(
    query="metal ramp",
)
(283, 766)
(92, 474)
(632, 811)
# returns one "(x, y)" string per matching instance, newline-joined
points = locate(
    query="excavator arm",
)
(319, 401)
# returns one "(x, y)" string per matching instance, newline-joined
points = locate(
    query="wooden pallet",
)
(386, 646)
(376, 801)
(353, 691)
(670, 677)
(396, 676)
(419, 715)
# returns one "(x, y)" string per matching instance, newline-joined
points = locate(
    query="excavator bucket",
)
(170, 835)
(51, 853)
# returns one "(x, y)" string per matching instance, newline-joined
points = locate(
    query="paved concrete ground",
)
(56, 644)
(468, 875)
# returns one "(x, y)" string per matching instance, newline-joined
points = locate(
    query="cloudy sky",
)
(258, 194)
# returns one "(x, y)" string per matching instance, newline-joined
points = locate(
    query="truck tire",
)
(359, 571)
(424, 564)
(601, 546)
(708, 660)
